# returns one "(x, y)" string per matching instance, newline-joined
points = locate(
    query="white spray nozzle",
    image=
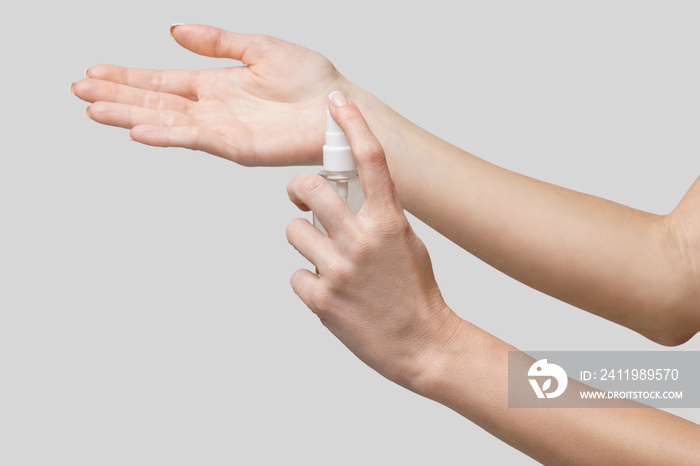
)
(337, 155)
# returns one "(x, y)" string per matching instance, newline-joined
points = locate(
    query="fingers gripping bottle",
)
(340, 169)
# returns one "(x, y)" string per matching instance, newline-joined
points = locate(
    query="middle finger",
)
(94, 90)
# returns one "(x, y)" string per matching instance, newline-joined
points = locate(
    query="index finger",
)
(375, 179)
(178, 82)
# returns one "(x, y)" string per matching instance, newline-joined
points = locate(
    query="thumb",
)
(371, 161)
(214, 42)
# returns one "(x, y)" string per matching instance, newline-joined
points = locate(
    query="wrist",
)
(410, 151)
(444, 355)
(386, 124)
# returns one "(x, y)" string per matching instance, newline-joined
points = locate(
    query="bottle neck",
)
(334, 175)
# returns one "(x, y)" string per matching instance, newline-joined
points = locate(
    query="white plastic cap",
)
(337, 155)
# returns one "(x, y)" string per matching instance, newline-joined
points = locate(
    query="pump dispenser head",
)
(337, 155)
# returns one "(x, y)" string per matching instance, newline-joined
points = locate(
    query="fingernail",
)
(70, 89)
(173, 26)
(129, 136)
(87, 113)
(85, 72)
(337, 98)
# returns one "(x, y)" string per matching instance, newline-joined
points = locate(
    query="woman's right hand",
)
(270, 112)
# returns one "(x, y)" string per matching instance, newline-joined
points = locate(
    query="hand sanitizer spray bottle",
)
(340, 169)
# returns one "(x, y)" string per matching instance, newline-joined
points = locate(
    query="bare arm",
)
(376, 292)
(473, 381)
(631, 267)
(634, 268)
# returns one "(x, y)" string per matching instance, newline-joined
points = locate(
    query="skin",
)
(375, 289)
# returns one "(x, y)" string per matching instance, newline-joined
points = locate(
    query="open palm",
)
(270, 112)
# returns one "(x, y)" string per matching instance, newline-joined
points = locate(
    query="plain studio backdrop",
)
(146, 315)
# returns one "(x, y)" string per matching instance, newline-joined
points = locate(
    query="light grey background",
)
(145, 311)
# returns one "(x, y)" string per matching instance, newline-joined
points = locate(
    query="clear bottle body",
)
(347, 185)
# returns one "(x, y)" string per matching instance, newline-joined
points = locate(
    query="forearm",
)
(375, 290)
(617, 262)
(470, 376)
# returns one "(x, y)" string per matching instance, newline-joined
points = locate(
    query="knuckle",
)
(397, 226)
(373, 151)
(363, 246)
(219, 44)
(391, 227)
(166, 119)
(151, 100)
(341, 273)
(337, 272)
(398, 222)
(353, 119)
(169, 119)
(311, 185)
(157, 80)
(196, 136)
(322, 302)
(370, 153)
(261, 44)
